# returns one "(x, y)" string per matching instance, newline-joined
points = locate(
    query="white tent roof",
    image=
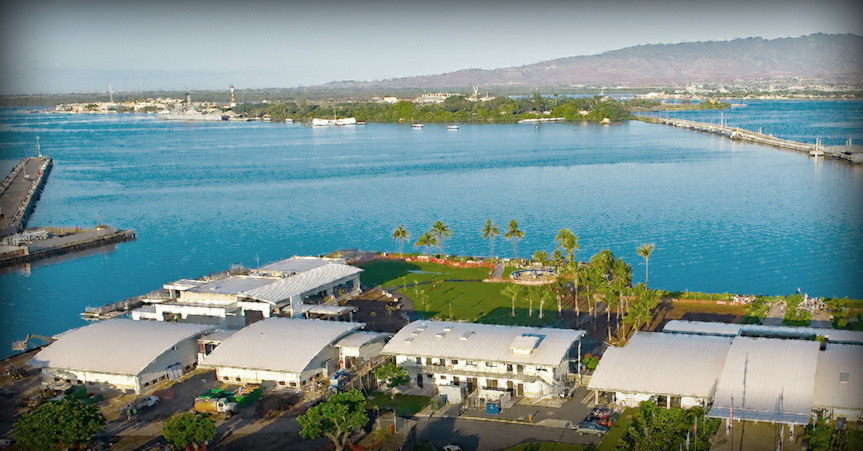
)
(278, 344)
(839, 377)
(666, 364)
(485, 342)
(360, 339)
(725, 329)
(770, 380)
(115, 346)
(311, 280)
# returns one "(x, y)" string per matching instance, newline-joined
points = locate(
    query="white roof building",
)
(124, 353)
(235, 301)
(686, 367)
(839, 381)
(769, 380)
(527, 361)
(287, 351)
(756, 330)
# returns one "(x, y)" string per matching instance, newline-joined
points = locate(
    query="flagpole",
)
(731, 421)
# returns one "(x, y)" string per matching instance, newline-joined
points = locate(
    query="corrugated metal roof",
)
(770, 379)
(837, 363)
(115, 346)
(724, 329)
(485, 342)
(278, 344)
(296, 264)
(233, 284)
(312, 279)
(358, 339)
(660, 363)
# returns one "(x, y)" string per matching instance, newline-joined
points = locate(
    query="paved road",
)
(15, 195)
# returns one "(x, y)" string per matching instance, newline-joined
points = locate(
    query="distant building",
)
(521, 361)
(125, 354)
(286, 351)
(282, 288)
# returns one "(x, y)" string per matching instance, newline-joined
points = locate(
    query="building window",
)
(293, 384)
(238, 379)
(146, 384)
(443, 377)
(454, 361)
(470, 363)
(226, 378)
(281, 382)
(455, 380)
(490, 364)
(492, 383)
(419, 360)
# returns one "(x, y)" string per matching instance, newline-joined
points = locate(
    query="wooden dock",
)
(853, 154)
(20, 191)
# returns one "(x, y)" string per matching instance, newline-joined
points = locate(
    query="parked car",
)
(452, 448)
(599, 413)
(589, 427)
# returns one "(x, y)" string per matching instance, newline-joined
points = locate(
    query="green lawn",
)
(855, 439)
(618, 430)
(393, 273)
(400, 404)
(471, 301)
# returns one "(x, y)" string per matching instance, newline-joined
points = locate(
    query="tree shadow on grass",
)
(378, 272)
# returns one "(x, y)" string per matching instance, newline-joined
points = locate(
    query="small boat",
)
(417, 125)
(452, 127)
(605, 121)
(289, 121)
(361, 122)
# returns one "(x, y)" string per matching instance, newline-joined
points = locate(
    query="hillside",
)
(817, 56)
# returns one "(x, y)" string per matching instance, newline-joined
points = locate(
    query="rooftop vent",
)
(409, 339)
(440, 334)
(466, 335)
(844, 377)
(447, 329)
(524, 344)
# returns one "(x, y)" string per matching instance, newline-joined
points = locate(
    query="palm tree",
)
(512, 291)
(572, 270)
(401, 234)
(612, 300)
(426, 239)
(489, 230)
(512, 233)
(531, 293)
(441, 231)
(543, 295)
(567, 241)
(645, 250)
(541, 257)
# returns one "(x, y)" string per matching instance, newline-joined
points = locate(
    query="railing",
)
(467, 372)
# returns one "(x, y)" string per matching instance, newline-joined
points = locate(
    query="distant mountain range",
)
(816, 56)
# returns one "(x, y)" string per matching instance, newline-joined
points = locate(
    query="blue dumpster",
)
(492, 408)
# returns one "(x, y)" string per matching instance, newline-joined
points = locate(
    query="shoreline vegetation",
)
(459, 109)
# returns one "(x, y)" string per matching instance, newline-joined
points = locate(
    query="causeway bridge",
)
(850, 153)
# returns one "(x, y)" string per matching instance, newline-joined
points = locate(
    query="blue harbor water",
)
(725, 216)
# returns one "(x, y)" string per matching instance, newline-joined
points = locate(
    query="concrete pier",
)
(20, 191)
(62, 243)
(853, 154)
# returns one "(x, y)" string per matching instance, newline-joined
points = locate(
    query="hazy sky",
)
(83, 45)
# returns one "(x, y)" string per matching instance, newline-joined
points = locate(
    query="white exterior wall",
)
(231, 375)
(185, 353)
(121, 382)
(632, 399)
(444, 374)
(319, 366)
